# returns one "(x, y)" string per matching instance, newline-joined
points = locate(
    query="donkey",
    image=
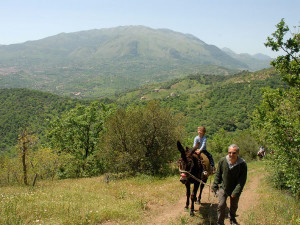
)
(191, 172)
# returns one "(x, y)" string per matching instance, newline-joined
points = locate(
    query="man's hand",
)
(215, 191)
(198, 151)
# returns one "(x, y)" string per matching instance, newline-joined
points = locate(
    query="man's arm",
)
(241, 182)
(218, 177)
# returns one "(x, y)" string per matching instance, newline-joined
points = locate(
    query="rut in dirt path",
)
(207, 211)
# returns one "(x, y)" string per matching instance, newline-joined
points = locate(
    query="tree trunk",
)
(34, 180)
(24, 163)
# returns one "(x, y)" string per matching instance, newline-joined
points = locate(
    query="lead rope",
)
(210, 207)
(209, 185)
(195, 178)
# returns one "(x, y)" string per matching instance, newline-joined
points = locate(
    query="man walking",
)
(231, 175)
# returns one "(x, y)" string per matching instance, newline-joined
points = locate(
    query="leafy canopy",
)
(76, 133)
(289, 64)
(277, 119)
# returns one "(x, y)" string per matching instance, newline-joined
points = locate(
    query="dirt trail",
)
(169, 214)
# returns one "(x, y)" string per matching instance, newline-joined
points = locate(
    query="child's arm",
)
(203, 145)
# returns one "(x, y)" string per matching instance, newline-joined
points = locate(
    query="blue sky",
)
(241, 25)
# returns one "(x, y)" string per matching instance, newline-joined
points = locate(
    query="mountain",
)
(101, 62)
(262, 56)
(254, 62)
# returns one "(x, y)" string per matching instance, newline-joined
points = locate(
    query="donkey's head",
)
(185, 163)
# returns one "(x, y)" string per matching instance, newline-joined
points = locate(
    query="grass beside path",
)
(127, 201)
(276, 207)
(86, 201)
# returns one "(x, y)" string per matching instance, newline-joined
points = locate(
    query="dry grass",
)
(86, 201)
(275, 207)
(127, 201)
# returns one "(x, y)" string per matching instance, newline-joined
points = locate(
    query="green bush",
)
(141, 139)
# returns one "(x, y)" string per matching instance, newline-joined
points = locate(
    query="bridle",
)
(190, 174)
(184, 171)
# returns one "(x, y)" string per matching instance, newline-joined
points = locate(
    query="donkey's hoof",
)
(192, 213)
(198, 202)
(186, 209)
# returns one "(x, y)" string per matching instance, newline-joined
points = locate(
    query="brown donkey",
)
(191, 169)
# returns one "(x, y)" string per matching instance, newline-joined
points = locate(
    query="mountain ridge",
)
(100, 62)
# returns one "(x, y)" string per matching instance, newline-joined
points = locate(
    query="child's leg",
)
(209, 156)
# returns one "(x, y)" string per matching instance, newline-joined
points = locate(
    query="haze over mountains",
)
(102, 62)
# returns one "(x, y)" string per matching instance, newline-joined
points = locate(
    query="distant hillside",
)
(98, 63)
(20, 108)
(254, 62)
(214, 101)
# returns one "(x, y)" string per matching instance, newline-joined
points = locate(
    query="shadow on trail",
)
(208, 213)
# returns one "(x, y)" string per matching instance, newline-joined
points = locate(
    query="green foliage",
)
(277, 119)
(219, 142)
(289, 64)
(45, 162)
(141, 138)
(220, 102)
(20, 108)
(77, 132)
(247, 144)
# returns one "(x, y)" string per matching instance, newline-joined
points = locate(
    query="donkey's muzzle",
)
(183, 178)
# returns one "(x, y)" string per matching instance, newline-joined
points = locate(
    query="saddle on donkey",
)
(206, 165)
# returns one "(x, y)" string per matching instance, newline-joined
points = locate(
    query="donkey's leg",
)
(201, 189)
(200, 194)
(194, 197)
(188, 194)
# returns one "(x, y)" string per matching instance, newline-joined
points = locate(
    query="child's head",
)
(201, 130)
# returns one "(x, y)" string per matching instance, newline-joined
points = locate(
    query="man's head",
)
(201, 131)
(233, 152)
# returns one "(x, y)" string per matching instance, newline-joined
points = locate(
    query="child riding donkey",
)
(200, 145)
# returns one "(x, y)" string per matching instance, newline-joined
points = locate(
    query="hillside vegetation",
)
(203, 99)
(214, 101)
(20, 108)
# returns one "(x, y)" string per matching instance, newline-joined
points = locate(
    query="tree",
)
(276, 120)
(45, 163)
(289, 64)
(76, 133)
(142, 138)
(25, 142)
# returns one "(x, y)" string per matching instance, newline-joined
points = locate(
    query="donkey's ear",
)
(180, 148)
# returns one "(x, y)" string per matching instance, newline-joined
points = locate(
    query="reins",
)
(195, 178)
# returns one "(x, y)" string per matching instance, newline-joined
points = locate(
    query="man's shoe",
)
(233, 221)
